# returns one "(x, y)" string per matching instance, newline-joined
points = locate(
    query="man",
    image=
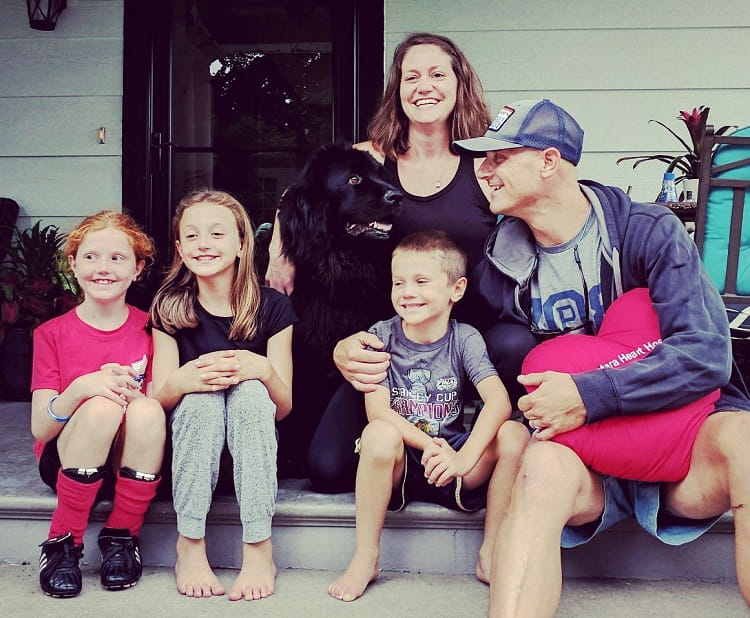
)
(564, 251)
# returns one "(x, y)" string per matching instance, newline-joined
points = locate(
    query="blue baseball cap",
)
(536, 124)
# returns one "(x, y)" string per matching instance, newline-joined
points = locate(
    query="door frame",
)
(357, 49)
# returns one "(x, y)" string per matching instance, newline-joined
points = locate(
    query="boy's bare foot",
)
(258, 573)
(484, 565)
(362, 570)
(193, 574)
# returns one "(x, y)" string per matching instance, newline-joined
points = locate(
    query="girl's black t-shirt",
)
(212, 332)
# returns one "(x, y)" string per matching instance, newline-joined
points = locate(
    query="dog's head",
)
(340, 192)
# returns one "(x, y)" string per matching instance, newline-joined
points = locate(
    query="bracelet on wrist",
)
(53, 416)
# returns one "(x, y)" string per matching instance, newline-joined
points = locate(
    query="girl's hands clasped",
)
(224, 368)
(113, 381)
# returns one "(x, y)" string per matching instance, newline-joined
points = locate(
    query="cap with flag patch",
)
(536, 124)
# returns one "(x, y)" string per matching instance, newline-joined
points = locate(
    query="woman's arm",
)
(372, 149)
(280, 271)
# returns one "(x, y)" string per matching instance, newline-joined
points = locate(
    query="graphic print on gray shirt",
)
(426, 381)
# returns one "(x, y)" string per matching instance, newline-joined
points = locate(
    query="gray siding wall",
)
(56, 90)
(614, 65)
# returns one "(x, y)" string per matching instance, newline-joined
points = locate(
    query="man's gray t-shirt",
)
(426, 381)
(564, 274)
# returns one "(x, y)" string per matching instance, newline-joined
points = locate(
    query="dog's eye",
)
(355, 180)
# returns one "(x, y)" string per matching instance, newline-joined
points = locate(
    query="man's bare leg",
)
(553, 488)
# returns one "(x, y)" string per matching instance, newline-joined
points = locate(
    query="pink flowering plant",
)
(687, 165)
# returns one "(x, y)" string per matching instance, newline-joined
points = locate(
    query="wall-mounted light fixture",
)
(43, 14)
(102, 135)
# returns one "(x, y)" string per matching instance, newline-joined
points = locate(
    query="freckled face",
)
(105, 264)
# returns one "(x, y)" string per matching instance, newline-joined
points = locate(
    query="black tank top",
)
(461, 209)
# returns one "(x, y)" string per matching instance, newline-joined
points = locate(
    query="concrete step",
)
(316, 531)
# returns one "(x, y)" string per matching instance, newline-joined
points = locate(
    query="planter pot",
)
(15, 364)
(689, 190)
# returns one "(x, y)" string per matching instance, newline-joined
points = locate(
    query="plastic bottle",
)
(668, 190)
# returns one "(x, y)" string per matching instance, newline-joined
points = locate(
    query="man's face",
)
(513, 176)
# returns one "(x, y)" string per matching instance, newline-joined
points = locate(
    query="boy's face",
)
(420, 290)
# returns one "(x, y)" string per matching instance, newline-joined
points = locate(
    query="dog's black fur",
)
(334, 221)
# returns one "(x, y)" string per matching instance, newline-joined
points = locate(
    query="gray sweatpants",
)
(244, 416)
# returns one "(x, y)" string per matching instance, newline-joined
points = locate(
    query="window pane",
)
(252, 95)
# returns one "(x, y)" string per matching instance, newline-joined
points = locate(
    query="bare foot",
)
(257, 575)
(484, 565)
(362, 570)
(192, 572)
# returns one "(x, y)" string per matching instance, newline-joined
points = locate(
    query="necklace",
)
(441, 172)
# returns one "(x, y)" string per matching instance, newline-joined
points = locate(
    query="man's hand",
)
(362, 367)
(554, 407)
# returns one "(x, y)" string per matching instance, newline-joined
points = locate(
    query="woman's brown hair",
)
(389, 128)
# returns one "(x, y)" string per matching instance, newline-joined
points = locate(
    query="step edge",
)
(293, 513)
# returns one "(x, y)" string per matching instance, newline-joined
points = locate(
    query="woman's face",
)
(428, 85)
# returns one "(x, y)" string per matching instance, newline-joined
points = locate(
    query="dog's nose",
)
(393, 197)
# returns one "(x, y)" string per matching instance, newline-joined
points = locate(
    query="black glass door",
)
(236, 93)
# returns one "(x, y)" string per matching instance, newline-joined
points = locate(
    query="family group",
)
(584, 322)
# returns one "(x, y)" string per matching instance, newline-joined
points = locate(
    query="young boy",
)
(415, 446)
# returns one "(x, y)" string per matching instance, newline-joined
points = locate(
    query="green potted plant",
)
(35, 285)
(686, 165)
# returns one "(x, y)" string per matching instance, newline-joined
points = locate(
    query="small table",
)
(684, 210)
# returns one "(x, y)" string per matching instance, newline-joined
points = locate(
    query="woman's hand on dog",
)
(280, 271)
(360, 362)
(280, 275)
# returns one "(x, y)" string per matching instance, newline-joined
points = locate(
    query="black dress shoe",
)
(121, 558)
(59, 574)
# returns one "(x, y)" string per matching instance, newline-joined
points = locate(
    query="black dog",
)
(334, 223)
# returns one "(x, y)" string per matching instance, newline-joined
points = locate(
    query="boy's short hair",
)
(452, 257)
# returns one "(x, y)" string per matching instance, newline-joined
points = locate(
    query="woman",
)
(432, 97)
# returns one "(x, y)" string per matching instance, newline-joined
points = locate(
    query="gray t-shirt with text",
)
(426, 381)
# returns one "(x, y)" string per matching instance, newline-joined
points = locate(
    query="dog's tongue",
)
(376, 227)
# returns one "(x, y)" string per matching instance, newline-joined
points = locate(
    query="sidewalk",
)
(394, 595)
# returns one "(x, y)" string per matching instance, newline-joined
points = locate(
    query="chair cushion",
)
(718, 216)
(654, 446)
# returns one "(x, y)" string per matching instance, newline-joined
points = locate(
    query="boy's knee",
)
(382, 440)
(512, 438)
